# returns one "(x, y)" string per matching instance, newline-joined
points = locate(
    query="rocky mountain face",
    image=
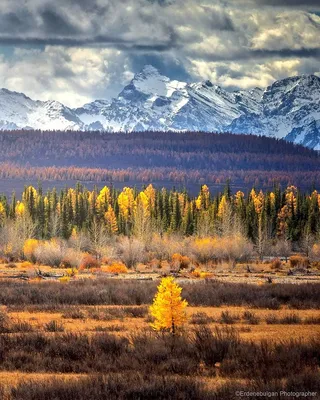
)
(289, 109)
(152, 101)
(18, 111)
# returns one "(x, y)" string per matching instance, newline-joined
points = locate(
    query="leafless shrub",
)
(228, 318)
(54, 326)
(72, 258)
(131, 251)
(251, 318)
(201, 318)
(74, 313)
(50, 252)
(164, 247)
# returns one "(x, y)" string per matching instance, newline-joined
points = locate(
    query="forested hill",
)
(184, 158)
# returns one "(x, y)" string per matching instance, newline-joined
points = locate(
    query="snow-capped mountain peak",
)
(289, 108)
(17, 111)
(150, 82)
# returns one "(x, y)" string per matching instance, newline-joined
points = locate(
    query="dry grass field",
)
(89, 336)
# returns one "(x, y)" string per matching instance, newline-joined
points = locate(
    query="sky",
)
(75, 51)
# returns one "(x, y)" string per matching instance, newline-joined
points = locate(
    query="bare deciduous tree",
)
(132, 251)
(99, 238)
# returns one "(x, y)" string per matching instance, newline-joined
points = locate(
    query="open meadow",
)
(86, 337)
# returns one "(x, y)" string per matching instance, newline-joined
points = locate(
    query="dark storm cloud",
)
(53, 22)
(220, 21)
(77, 50)
(289, 3)
(110, 42)
(288, 53)
(140, 24)
(168, 66)
(13, 24)
(81, 23)
(247, 54)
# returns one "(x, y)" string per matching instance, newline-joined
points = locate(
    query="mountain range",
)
(288, 109)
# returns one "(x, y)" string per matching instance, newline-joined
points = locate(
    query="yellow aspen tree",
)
(30, 191)
(168, 308)
(74, 234)
(143, 200)
(253, 193)
(315, 195)
(202, 201)
(20, 209)
(92, 201)
(183, 201)
(29, 248)
(258, 200)
(123, 202)
(72, 195)
(103, 199)
(2, 213)
(198, 202)
(111, 220)
(205, 193)
(291, 198)
(142, 217)
(151, 194)
(223, 206)
(238, 198)
(58, 209)
(126, 202)
(46, 202)
(272, 199)
(283, 215)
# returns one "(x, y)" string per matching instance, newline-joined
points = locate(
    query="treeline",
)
(283, 214)
(157, 175)
(155, 156)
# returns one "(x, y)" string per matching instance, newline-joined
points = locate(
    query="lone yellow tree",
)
(168, 308)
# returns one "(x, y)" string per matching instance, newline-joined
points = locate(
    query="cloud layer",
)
(75, 50)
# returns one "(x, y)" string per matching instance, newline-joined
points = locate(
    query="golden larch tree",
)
(126, 202)
(223, 206)
(168, 308)
(103, 200)
(2, 213)
(151, 194)
(238, 198)
(20, 209)
(111, 220)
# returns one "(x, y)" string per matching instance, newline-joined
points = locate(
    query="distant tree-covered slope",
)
(155, 156)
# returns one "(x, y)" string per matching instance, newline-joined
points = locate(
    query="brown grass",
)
(257, 332)
(122, 314)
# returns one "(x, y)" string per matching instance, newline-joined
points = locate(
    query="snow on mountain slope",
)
(15, 108)
(289, 108)
(150, 82)
(18, 111)
(91, 114)
(153, 101)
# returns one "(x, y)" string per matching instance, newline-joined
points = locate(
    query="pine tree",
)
(12, 209)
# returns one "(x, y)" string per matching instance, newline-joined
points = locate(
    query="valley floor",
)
(87, 338)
